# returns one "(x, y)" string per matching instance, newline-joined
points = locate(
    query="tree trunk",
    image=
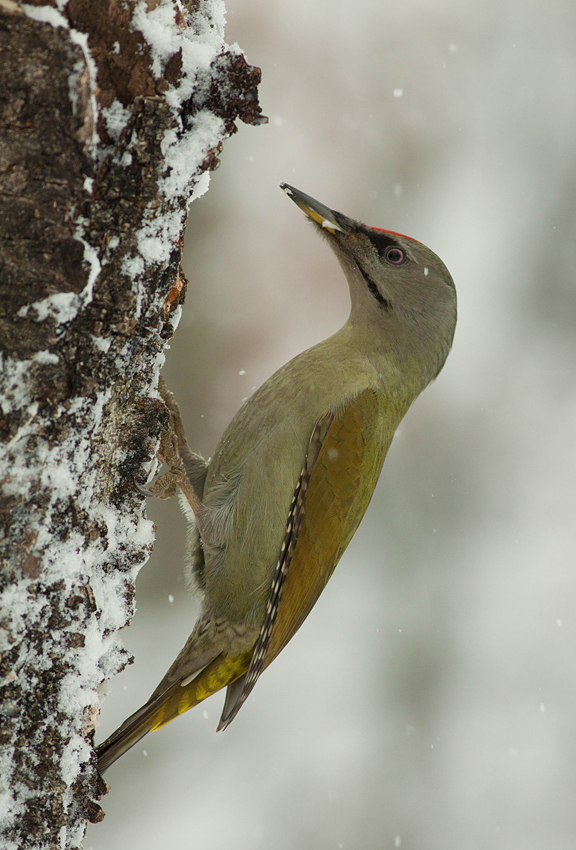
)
(112, 115)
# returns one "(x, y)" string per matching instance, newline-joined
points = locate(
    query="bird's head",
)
(396, 283)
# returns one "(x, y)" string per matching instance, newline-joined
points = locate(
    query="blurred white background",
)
(429, 701)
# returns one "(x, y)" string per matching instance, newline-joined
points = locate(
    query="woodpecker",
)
(273, 511)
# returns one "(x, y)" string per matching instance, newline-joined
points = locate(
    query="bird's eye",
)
(395, 256)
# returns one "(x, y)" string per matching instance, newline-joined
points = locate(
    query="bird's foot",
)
(166, 485)
(172, 446)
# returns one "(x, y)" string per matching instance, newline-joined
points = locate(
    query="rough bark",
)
(105, 134)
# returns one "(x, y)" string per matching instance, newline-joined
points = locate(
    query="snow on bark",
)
(112, 117)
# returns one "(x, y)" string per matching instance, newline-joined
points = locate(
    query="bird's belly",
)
(239, 572)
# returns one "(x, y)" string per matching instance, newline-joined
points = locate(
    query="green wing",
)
(345, 457)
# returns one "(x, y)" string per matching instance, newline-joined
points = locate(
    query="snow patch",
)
(67, 471)
(63, 306)
(116, 116)
(102, 343)
(165, 37)
(45, 14)
(47, 358)
(201, 186)
(132, 267)
(157, 27)
(184, 152)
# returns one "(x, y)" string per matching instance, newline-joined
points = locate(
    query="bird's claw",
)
(165, 486)
(144, 491)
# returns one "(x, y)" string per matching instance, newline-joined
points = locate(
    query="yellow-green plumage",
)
(296, 468)
(217, 675)
(341, 486)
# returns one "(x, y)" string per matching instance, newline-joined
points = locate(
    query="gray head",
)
(399, 288)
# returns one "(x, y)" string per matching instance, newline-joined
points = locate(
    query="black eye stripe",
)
(384, 244)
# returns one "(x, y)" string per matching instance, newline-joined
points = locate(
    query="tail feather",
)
(131, 731)
(161, 709)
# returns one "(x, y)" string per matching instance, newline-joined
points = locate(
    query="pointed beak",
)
(317, 211)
